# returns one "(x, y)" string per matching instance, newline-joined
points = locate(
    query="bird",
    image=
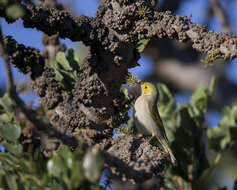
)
(147, 118)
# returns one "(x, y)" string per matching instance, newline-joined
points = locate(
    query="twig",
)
(28, 113)
(221, 15)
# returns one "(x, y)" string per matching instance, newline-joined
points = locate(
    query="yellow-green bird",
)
(147, 118)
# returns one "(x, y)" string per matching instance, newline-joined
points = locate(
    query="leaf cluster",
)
(27, 168)
(141, 45)
(220, 137)
(186, 130)
(143, 11)
(12, 9)
(67, 69)
(65, 170)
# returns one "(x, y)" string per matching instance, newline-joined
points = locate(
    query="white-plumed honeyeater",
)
(147, 118)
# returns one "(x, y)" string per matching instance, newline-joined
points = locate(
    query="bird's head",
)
(148, 89)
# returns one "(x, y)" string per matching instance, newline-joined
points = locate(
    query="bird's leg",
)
(165, 154)
(155, 142)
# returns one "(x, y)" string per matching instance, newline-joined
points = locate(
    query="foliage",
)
(211, 58)
(6, 109)
(66, 169)
(220, 137)
(143, 11)
(67, 69)
(28, 169)
(10, 135)
(185, 128)
(141, 45)
(132, 80)
(124, 105)
(63, 171)
(12, 9)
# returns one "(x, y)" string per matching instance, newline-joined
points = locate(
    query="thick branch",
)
(165, 25)
(26, 59)
(134, 159)
(30, 114)
(52, 21)
(161, 24)
(177, 27)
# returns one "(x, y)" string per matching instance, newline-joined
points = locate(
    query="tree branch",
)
(160, 24)
(52, 21)
(220, 14)
(165, 25)
(30, 114)
(26, 59)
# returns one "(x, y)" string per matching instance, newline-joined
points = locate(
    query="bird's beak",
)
(139, 82)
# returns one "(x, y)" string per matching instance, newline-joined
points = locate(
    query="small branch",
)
(52, 21)
(30, 114)
(221, 15)
(10, 84)
(26, 59)
(208, 42)
(166, 25)
(52, 43)
(161, 25)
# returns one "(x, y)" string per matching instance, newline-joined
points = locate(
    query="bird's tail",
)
(167, 149)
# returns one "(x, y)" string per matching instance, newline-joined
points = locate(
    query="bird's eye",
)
(145, 87)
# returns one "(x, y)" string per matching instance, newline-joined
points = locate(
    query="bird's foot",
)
(164, 154)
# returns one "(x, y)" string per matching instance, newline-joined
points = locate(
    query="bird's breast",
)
(143, 120)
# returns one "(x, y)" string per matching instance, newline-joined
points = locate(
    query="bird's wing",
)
(156, 116)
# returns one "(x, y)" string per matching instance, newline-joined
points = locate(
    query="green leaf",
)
(187, 127)
(14, 11)
(77, 174)
(56, 166)
(10, 132)
(93, 165)
(166, 103)
(199, 99)
(3, 2)
(13, 148)
(11, 182)
(74, 59)
(141, 45)
(6, 114)
(62, 60)
(131, 124)
(201, 96)
(216, 138)
(126, 94)
(66, 69)
(67, 157)
(5, 117)
(7, 161)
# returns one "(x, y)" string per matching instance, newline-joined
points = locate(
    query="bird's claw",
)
(165, 154)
